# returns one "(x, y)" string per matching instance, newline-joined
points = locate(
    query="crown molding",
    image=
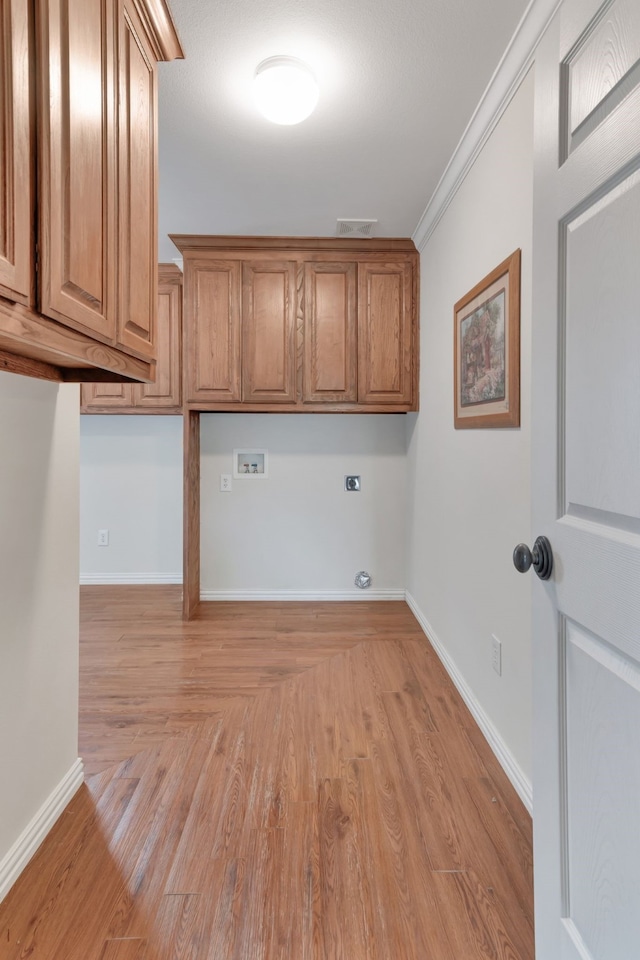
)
(509, 74)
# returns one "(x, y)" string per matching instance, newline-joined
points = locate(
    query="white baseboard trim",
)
(520, 782)
(506, 79)
(12, 865)
(319, 595)
(97, 578)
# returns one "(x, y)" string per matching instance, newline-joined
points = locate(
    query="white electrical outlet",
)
(103, 538)
(225, 483)
(496, 654)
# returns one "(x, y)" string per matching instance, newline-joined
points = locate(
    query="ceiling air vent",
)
(356, 228)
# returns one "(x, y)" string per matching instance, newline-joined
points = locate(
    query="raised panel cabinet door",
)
(330, 333)
(166, 391)
(212, 297)
(585, 481)
(16, 167)
(269, 298)
(385, 332)
(137, 186)
(104, 397)
(77, 172)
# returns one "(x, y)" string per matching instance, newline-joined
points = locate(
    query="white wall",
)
(131, 485)
(38, 598)
(469, 496)
(298, 530)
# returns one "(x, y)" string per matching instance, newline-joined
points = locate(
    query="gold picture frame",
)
(486, 350)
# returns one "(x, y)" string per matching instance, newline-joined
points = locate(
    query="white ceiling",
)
(399, 82)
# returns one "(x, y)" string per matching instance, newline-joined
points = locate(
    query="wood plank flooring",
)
(274, 782)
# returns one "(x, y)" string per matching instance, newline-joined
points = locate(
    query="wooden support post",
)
(191, 525)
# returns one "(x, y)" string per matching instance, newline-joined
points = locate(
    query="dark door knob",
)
(540, 558)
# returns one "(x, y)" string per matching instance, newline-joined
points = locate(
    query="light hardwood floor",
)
(274, 782)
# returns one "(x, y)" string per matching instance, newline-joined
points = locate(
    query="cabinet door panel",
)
(137, 187)
(16, 167)
(330, 336)
(165, 392)
(212, 330)
(268, 323)
(105, 396)
(385, 330)
(77, 170)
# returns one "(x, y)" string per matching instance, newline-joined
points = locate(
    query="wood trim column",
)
(191, 523)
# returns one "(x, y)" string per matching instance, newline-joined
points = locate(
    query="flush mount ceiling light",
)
(285, 89)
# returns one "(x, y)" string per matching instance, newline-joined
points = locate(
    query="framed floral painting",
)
(486, 371)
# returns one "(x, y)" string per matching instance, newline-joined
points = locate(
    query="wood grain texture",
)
(164, 395)
(17, 275)
(278, 245)
(106, 397)
(268, 331)
(313, 336)
(191, 514)
(320, 406)
(274, 781)
(330, 335)
(90, 241)
(212, 331)
(12, 363)
(137, 186)
(29, 334)
(78, 165)
(595, 69)
(385, 333)
(161, 29)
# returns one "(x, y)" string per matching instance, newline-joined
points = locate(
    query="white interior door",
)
(586, 483)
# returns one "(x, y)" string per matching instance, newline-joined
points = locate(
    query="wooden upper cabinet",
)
(212, 339)
(300, 324)
(137, 189)
(78, 187)
(268, 328)
(385, 333)
(166, 393)
(78, 132)
(106, 397)
(16, 163)
(330, 332)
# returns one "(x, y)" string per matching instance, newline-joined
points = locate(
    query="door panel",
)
(384, 332)
(165, 392)
(330, 338)
(600, 68)
(137, 187)
(602, 789)
(105, 396)
(586, 482)
(77, 215)
(269, 298)
(212, 330)
(16, 167)
(602, 354)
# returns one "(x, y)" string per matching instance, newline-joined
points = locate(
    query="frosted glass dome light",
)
(285, 89)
